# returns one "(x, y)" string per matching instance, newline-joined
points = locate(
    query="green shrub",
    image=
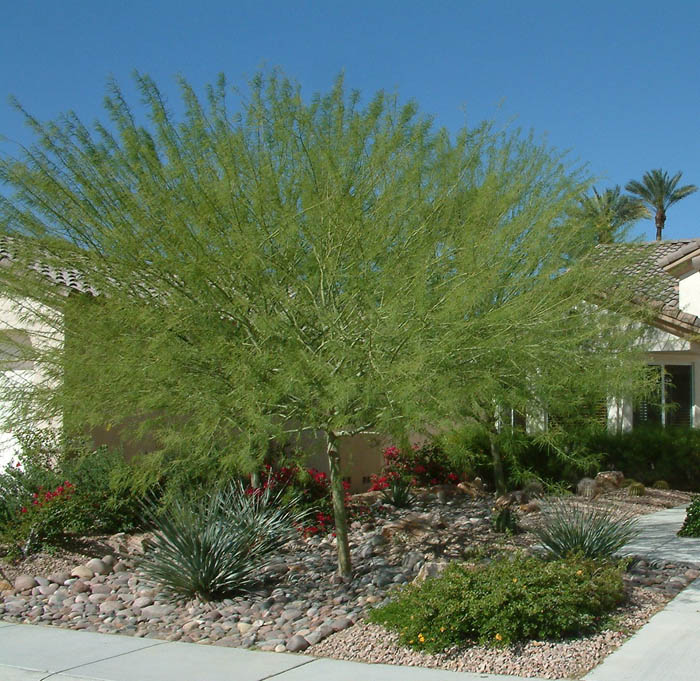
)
(215, 547)
(636, 489)
(650, 453)
(661, 484)
(570, 528)
(506, 601)
(691, 524)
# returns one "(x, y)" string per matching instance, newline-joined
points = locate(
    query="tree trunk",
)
(338, 499)
(660, 221)
(498, 474)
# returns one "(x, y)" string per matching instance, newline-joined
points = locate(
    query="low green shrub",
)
(691, 524)
(661, 484)
(509, 600)
(214, 547)
(570, 528)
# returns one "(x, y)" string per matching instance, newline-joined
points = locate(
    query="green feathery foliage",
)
(279, 263)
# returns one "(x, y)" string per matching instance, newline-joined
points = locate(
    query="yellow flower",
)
(579, 572)
(421, 638)
(442, 628)
(515, 580)
(411, 641)
(499, 637)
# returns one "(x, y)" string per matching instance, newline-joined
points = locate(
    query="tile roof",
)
(653, 283)
(63, 276)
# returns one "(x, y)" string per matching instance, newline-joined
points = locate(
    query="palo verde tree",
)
(300, 264)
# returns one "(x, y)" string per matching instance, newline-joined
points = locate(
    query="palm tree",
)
(659, 191)
(609, 211)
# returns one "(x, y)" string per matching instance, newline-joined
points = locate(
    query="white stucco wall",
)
(22, 322)
(689, 292)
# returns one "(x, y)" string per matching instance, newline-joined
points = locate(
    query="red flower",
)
(24, 509)
(18, 464)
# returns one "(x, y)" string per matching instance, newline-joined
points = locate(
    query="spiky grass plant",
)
(215, 547)
(571, 528)
(399, 493)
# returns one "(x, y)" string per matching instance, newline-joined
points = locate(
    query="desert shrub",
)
(214, 547)
(56, 490)
(506, 601)
(691, 524)
(570, 528)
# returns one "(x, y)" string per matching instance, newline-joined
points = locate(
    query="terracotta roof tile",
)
(653, 282)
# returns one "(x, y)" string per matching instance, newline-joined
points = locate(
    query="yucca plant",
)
(215, 547)
(571, 528)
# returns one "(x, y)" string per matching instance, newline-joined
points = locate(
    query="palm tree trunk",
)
(660, 220)
(338, 500)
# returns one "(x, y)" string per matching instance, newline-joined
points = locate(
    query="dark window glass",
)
(678, 398)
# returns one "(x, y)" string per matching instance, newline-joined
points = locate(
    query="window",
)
(671, 404)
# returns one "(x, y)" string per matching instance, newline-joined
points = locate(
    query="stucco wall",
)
(22, 322)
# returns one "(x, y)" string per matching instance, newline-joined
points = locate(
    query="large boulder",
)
(609, 480)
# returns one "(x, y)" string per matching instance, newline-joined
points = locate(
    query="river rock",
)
(297, 644)
(24, 582)
(97, 566)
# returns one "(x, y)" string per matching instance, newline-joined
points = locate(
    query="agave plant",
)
(399, 493)
(215, 547)
(573, 528)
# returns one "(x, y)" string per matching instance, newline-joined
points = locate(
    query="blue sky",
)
(614, 83)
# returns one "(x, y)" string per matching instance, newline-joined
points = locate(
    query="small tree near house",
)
(317, 263)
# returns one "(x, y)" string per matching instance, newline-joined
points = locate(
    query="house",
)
(668, 278)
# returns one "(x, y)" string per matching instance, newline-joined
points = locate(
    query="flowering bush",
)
(424, 466)
(47, 519)
(55, 491)
(310, 490)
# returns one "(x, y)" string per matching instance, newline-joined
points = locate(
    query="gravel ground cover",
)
(302, 605)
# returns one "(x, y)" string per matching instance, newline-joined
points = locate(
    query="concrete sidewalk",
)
(658, 541)
(667, 648)
(36, 653)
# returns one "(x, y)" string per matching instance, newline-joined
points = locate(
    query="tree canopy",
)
(286, 263)
(659, 192)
